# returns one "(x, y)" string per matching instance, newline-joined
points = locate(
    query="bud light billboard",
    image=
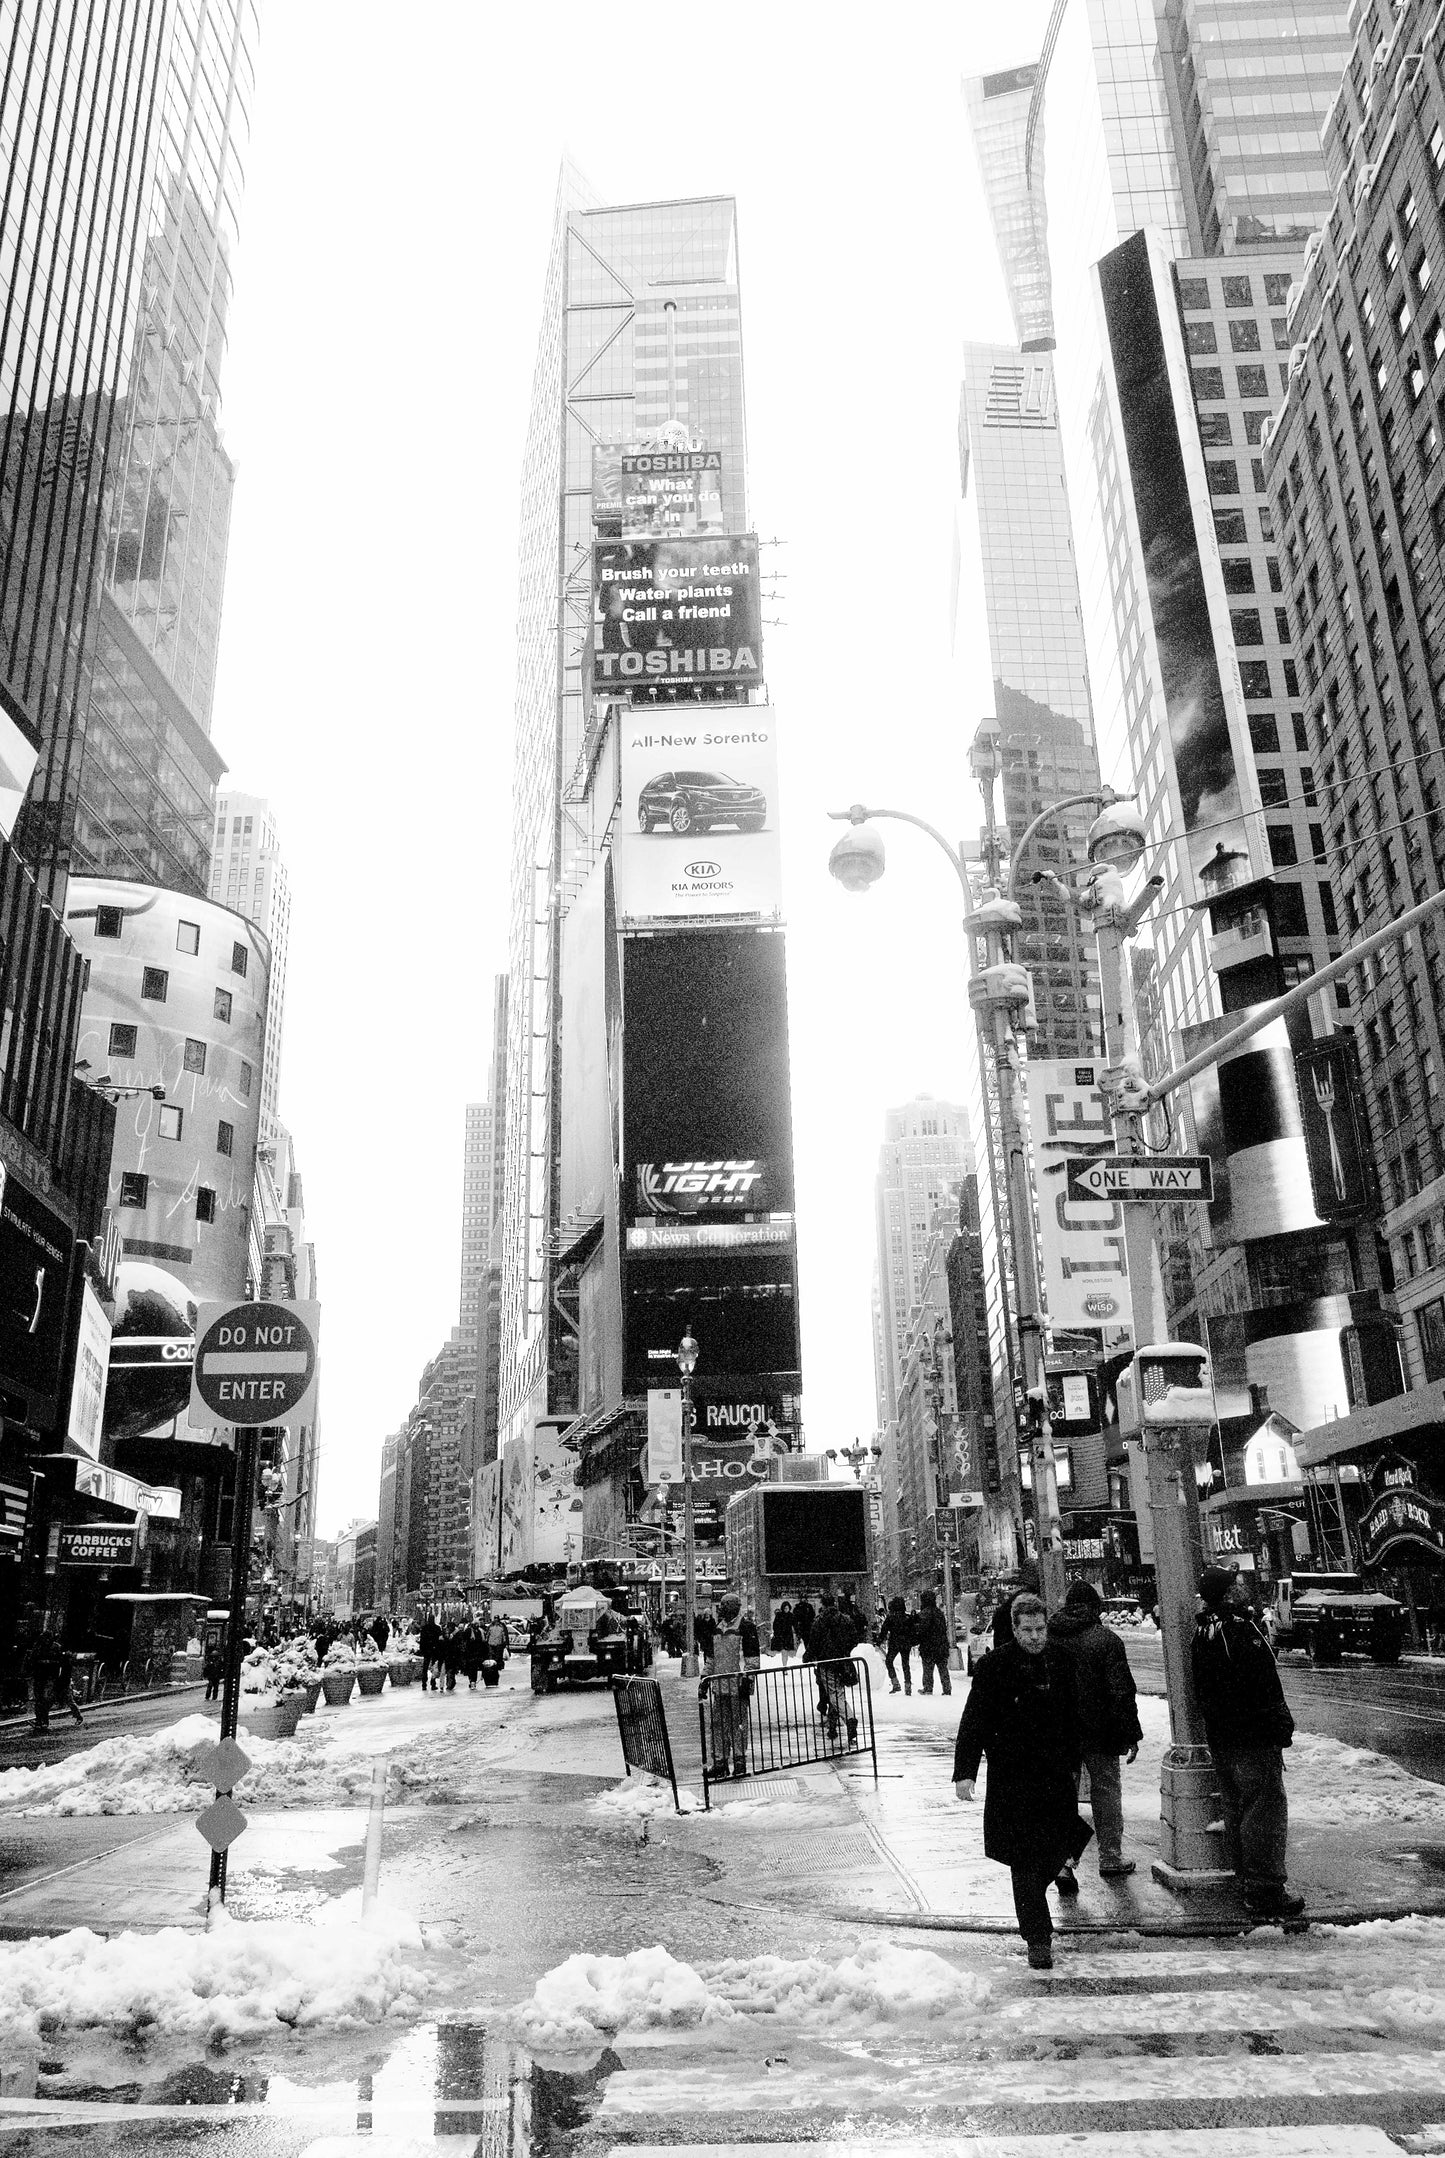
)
(706, 1115)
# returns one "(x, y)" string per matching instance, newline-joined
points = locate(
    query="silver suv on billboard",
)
(697, 801)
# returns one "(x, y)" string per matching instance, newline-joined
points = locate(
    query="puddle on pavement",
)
(440, 2080)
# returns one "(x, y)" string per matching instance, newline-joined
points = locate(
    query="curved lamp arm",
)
(1106, 797)
(857, 814)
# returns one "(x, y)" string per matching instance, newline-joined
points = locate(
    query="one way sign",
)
(1101, 1178)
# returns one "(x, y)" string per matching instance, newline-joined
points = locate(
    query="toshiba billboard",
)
(676, 610)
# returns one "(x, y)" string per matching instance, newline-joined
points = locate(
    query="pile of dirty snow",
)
(588, 1999)
(1337, 1786)
(638, 1798)
(156, 1772)
(233, 1981)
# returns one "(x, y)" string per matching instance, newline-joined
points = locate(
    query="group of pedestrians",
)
(1057, 1698)
(925, 1629)
(451, 1647)
(729, 1641)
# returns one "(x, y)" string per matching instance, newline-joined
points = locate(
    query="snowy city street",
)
(555, 1949)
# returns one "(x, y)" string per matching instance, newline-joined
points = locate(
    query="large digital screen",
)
(667, 489)
(676, 610)
(698, 833)
(743, 1313)
(809, 1529)
(705, 1063)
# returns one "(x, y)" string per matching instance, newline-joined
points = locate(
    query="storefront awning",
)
(160, 1596)
(1384, 1423)
(161, 1501)
(1241, 1497)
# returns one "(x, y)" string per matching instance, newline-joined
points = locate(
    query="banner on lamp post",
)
(1081, 1244)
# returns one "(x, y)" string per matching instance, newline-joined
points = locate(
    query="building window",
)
(1273, 787)
(169, 1121)
(1238, 573)
(1244, 336)
(1229, 528)
(223, 1006)
(1237, 292)
(195, 1057)
(154, 983)
(109, 921)
(122, 1040)
(205, 1203)
(1289, 906)
(1254, 677)
(1283, 851)
(1389, 255)
(1264, 734)
(1245, 623)
(225, 1137)
(1194, 293)
(239, 956)
(1223, 476)
(188, 938)
(245, 1081)
(1208, 382)
(133, 1188)
(1199, 337)
(1214, 430)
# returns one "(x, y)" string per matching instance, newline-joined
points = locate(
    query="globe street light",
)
(687, 1365)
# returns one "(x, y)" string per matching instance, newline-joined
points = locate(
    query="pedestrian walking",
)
(804, 1615)
(1003, 1623)
(852, 1618)
(429, 1641)
(704, 1627)
(472, 1653)
(1248, 1725)
(728, 1688)
(380, 1632)
(1108, 1721)
(784, 1638)
(830, 1647)
(213, 1670)
(1022, 1713)
(51, 1667)
(896, 1639)
(453, 1648)
(933, 1643)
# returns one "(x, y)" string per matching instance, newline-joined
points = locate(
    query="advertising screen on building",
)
(705, 1061)
(35, 1251)
(676, 610)
(743, 1314)
(1081, 1245)
(698, 832)
(667, 489)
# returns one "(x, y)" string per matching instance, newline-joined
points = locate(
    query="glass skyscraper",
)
(999, 107)
(79, 96)
(640, 324)
(150, 771)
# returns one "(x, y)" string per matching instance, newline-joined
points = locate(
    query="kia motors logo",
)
(1099, 1305)
(704, 869)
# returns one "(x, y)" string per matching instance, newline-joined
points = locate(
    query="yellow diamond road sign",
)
(221, 1823)
(221, 1765)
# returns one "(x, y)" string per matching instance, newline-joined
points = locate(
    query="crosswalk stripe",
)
(1098, 2014)
(1124, 2080)
(1114, 2143)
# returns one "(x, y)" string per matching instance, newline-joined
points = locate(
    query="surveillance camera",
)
(858, 860)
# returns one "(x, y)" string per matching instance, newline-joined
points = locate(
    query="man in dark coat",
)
(1248, 1725)
(933, 1643)
(830, 1645)
(803, 1617)
(1022, 1711)
(896, 1640)
(1003, 1625)
(1108, 1720)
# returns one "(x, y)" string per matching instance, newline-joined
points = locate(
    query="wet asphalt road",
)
(1398, 1710)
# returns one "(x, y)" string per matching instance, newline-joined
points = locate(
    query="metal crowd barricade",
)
(642, 1728)
(791, 1717)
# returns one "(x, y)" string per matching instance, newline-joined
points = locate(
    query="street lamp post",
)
(687, 1365)
(1000, 995)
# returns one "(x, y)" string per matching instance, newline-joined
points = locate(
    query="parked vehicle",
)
(589, 1640)
(696, 801)
(1329, 1614)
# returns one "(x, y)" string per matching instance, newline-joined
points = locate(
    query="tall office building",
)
(72, 233)
(1353, 467)
(150, 771)
(640, 325)
(923, 1161)
(248, 875)
(999, 110)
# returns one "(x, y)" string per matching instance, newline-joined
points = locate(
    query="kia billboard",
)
(698, 832)
(706, 1119)
(676, 610)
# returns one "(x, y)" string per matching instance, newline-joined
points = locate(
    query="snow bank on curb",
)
(233, 1981)
(1338, 1786)
(588, 1999)
(637, 1798)
(155, 1772)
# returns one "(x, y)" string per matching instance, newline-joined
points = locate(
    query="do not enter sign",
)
(255, 1363)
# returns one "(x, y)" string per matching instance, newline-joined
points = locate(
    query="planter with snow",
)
(313, 1695)
(371, 1677)
(400, 1669)
(337, 1683)
(272, 1715)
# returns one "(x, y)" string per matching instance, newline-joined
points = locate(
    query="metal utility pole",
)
(1003, 1018)
(247, 1445)
(687, 1364)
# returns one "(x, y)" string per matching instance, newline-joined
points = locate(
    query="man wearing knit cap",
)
(1248, 1725)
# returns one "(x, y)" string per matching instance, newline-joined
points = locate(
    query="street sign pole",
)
(246, 1449)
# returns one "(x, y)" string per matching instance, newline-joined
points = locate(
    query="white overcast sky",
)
(398, 207)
